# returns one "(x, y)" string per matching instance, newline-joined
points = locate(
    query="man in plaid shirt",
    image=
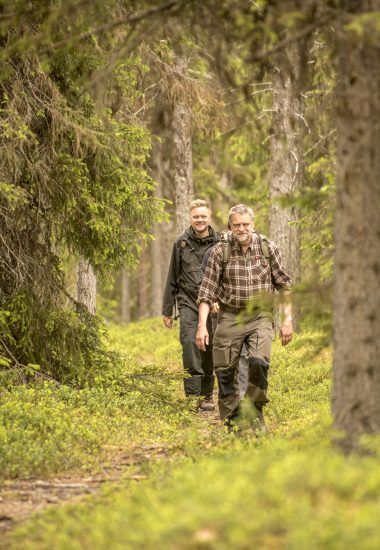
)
(244, 288)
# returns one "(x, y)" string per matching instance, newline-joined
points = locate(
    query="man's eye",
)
(237, 225)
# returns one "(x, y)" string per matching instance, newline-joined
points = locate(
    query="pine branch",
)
(172, 5)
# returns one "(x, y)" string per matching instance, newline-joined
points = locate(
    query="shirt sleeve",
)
(208, 291)
(280, 278)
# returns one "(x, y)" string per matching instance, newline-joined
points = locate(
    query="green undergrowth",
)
(289, 489)
(48, 429)
(148, 341)
(278, 493)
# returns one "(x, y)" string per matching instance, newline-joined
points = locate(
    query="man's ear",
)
(229, 226)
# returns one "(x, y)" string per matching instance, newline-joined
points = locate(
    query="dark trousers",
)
(198, 364)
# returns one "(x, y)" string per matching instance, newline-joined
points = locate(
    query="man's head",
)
(240, 221)
(200, 217)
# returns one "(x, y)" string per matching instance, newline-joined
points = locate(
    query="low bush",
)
(47, 429)
(289, 489)
(271, 494)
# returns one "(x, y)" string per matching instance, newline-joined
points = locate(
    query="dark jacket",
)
(185, 271)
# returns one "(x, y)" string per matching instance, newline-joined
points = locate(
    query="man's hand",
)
(215, 308)
(168, 321)
(286, 332)
(202, 338)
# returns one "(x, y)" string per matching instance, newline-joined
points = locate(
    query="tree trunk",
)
(125, 304)
(160, 168)
(143, 285)
(86, 285)
(286, 164)
(356, 377)
(159, 173)
(157, 272)
(182, 154)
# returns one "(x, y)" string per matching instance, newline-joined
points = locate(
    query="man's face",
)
(200, 220)
(242, 228)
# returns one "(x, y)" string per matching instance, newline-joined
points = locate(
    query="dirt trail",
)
(20, 499)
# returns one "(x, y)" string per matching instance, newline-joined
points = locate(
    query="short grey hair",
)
(240, 209)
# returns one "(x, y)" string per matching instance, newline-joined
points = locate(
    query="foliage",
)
(73, 177)
(47, 428)
(289, 489)
(276, 494)
(148, 341)
(38, 355)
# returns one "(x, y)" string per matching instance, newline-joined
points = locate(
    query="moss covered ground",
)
(289, 489)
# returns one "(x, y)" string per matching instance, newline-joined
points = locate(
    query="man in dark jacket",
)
(182, 286)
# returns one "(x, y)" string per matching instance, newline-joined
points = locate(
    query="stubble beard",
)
(201, 233)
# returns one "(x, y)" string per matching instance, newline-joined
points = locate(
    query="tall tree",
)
(356, 381)
(86, 285)
(160, 125)
(182, 158)
(73, 177)
(143, 284)
(285, 174)
(125, 296)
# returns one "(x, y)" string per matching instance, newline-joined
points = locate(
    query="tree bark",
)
(160, 168)
(143, 285)
(125, 305)
(86, 285)
(286, 164)
(157, 272)
(356, 376)
(182, 154)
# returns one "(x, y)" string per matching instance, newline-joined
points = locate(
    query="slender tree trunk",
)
(143, 285)
(157, 272)
(356, 378)
(160, 166)
(125, 298)
(156, 248)
(182, 155)
(86, 285)
(286, 163)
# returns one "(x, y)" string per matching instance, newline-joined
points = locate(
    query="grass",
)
(287, 490)
(47, 430)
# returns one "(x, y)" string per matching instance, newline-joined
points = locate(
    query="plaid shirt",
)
(244, 276)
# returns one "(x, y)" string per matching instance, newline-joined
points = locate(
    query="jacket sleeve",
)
(208, 291)
(171, 287)
(205, 259)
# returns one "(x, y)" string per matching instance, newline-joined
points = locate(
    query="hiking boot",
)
(259, 422)
(232, 427)
(206, 405)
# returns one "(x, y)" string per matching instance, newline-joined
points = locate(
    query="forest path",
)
(19, 499)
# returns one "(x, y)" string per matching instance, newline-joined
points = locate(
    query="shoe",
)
(259, 422)
(232, 427)
(206, 405)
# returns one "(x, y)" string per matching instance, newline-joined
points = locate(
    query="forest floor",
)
(157, 475)
(19, 499)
